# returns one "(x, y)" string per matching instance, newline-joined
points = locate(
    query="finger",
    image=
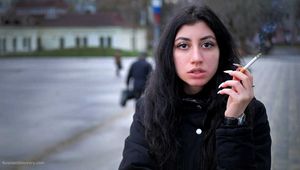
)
(236, 85)
(237, 65)
(229, 92)
(248, 74)
(246, 77)
(248, 83)
(236, 74)
(245, 97)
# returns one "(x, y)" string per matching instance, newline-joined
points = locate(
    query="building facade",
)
(26, 28)
(28, 39)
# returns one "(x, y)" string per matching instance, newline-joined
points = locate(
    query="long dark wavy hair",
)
(164, 90)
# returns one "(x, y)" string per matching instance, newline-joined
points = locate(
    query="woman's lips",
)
(197, 73)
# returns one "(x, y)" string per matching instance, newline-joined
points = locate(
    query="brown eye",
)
(182, 46)
(207, 45)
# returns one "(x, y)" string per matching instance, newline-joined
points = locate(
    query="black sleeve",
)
(135, 153)
(129, 75)
(262, 139)
(245, 148)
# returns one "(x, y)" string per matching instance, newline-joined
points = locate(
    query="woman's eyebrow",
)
(182, 38)
(203, 38)
(208, 37)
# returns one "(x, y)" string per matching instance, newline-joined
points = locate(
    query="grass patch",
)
(72, 52)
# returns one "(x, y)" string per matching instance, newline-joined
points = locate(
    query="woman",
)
(197, 113)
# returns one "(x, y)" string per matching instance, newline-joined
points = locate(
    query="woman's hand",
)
(239, 90)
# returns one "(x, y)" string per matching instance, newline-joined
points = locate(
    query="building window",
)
(85, 42)
(101, 42)
(24, 42)
(29, 44)
(109, 42)
(61, 43)
(4, 45)
(39, 44)
(1, 46)
(14, 44)
(77, 42)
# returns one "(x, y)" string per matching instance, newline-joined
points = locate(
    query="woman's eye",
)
(207, 45)
(182, 46)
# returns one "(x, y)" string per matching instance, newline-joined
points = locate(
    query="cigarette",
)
(250, 62)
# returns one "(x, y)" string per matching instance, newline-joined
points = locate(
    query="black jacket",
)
(139, 72)
(238, 148)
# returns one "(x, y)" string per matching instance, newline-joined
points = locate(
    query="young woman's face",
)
(196, 55)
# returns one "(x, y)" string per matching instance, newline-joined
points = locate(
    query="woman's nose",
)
(197, 55)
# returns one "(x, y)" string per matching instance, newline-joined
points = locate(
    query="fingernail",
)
(219, 92)
(238, 65)
(220, 85)
(228, 71)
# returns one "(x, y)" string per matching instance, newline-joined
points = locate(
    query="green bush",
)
(73, 52)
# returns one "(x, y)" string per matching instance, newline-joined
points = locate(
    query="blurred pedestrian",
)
(198, 111)
(118, 62)
(138, 73)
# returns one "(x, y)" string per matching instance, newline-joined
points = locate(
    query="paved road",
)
(277, 82)
(48, 105)
(64, 114)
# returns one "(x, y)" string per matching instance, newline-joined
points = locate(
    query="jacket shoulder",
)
(260, 113)
(136, 149)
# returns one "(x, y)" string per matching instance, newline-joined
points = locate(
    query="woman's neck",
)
(192, 90)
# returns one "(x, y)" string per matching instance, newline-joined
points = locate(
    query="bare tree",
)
(292, 8)
(134, 11)
(243, 18)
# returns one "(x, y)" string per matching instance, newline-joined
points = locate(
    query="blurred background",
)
(60, 94)
(32, 27)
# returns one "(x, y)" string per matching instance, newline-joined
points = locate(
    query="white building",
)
(23, 32)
